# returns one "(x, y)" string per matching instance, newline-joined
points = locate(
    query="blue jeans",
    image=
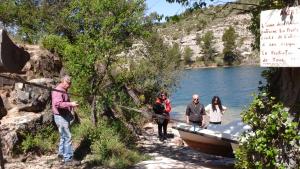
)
(65, 143)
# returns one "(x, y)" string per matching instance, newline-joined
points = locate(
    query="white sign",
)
(280, 37)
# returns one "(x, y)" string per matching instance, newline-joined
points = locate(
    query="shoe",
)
(72, 163)
(60, 157)
(161, 139)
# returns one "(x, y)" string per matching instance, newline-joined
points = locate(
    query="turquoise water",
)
(234, 85)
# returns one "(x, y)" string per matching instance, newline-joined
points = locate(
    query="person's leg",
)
(57, 120)
(159, 130)
(65, 147)
(68, 153)
(165, 127)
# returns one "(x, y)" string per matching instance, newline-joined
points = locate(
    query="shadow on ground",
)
(185, 155)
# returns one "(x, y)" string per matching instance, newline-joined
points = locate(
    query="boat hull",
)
(206, 144)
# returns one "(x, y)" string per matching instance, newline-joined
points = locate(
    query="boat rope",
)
(20, 80)
(153, 114)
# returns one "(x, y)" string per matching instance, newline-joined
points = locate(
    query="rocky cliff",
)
(25, 105)
(186, 31)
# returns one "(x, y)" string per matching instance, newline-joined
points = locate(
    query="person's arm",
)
(207, 109)
(187, 114)
(168, 106)
(203, 122)
(224, 109)
(57, 99)
(203, 111)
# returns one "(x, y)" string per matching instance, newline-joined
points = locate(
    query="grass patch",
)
(42, 141)
(109, 144)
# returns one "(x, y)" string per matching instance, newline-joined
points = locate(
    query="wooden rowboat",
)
(218, 140)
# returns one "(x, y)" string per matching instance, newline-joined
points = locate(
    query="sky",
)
(169, 9)
(163, 7)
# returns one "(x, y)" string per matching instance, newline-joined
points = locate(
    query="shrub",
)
(54, 43)
(111, 145)
(274, 140)
(187, 55)
(43, 141)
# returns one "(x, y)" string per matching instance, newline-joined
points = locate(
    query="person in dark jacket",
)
(162, 107)
(195, 112)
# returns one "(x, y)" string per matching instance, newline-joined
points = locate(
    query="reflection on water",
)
(234, 85)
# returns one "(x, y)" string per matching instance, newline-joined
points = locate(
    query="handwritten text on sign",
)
(280, 37)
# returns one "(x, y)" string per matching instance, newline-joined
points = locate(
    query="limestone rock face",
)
(42, 63)
(13, 58)
(15, 123)
(176, 34)
(25, 95)
(32, 98)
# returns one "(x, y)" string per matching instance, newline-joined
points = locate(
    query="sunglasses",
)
(195, 99)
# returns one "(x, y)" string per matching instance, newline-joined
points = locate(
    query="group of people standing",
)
(62, 109)
(195, 112)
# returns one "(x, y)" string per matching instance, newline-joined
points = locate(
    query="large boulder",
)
(33, 98)
(12, 57)
(42, 63)
(17, 122)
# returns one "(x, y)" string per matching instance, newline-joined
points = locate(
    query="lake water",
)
(234, 85)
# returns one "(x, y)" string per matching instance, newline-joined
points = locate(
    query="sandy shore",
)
(173, 153)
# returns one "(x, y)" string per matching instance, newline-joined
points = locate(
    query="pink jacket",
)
(60, 101)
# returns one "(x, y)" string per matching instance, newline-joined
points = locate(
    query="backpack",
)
(158, 108)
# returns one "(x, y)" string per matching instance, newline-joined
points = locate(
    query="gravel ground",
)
(170, 154)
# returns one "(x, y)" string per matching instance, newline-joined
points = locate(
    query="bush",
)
(42, 142)
(110, 145)
(54, 43)
(274, 140)
(187, 55)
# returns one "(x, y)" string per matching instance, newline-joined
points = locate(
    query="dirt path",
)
(173, 154)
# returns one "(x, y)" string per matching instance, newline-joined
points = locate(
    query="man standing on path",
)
(195, 112)
(62, 107)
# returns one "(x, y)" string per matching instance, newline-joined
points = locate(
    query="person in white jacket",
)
(215, 111)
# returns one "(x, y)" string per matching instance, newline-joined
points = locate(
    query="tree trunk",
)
(132, 95)
(93, 113)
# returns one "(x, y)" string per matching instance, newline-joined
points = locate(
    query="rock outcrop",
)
(177, 34)
(25, 95)
(12, 57)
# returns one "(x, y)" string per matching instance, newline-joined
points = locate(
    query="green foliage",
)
(274, 141)
(43, 141)
(229, 42)
(161, 64)
(201, 24)
(229, 39)
(207, 46)
(108, 144)
(55, 43)
(32, 18)
(187, 55)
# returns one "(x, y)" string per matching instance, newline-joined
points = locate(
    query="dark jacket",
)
(195, 112)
